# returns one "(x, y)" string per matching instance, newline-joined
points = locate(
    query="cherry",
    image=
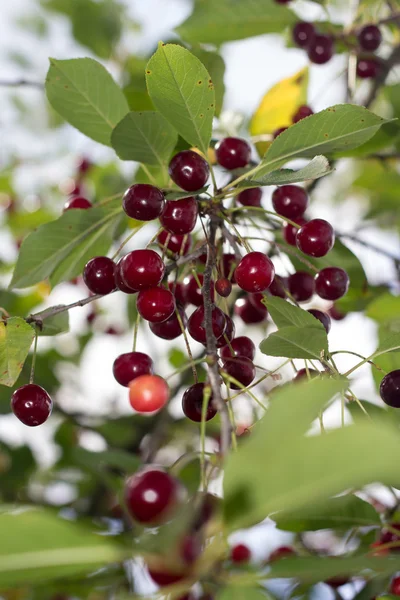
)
(302, 113)
(99, 275)
(281, 552)
(77, 202)
(192, 292)
(290, 231)
(179, 216)
(240, 554)
(250, 197)
(143, 202)
(84, 165)
(227, 266)
(164, 578)
(148, 393)
(208, 508)
(223, 287)
(389, 537)
(323, 317)
(130, 365)
(255, 272)
(228, 334)
(370, 37)
(156, 304)
(290, 201)
(331, 283)
(278, 132)
(390, 389)
(304, 374)
(175, 243)
(337, 581)
(241, 369)
(141, 269)
(278, 287)
(150, 495)
(282, 1)
(367, 68)
(320, 49)
(301, 286)
(31, 404)
(240, 346)
(121, 286)
(192, 403)
(196, 324)
(178, 291)
(303, 34)
(315, 238)
(336, 314)
(171, 328)
(191, 548)
(395, 586)
(233, 153)
(189, 170)
(257, 300)
(249, 313)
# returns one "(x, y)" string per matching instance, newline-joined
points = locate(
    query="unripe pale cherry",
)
(148, 393)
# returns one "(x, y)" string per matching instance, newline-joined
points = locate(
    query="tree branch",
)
(21, 83)
(357, 240)
(386, 67)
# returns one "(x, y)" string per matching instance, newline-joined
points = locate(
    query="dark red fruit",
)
(233, 153)
(84, 165)
(301, 286)
(257, 300)
(170, 329)
(77, 202)
(338, 581)
(250, 197)
(156, 304)
(303, 374)
(389, 537)
(31, 404)
(141, 269)
(290, 231)
(227, 266)
(228, 334)
(303, 33)
(177, 244)
(130, 365)
(240, 346)
(395, 586)
(240, 554)
(164, 578)
(302, 113)
(209, 506)
(315, 238)
(150, 495)
(368, 68)
(196, 324)
(179, 216)
(223, 287)
(278, 287)
(99, 275)
(192, 292)
(281, 552)
(390, 389)
(370, 38)
(143, 202)
(189, 170)
(178, 291)
(121, 286)
(282, 1)
(323, 317)
(192, 403)
(278, 132)
(241, 369)
(255, 272)
(336, 314)
(190, 548)
(290, 201)
(331, 283)
(249, 313)
(320, 49)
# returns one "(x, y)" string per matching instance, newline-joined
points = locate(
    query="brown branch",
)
(377, 249)
(380, 80)
(21, 83)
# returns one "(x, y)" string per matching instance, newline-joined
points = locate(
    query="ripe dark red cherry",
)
(331, 283)
(171, 328)
(141, 269)
(389, 537)
(323, 317)
(278, 132)
(143, 202)
(240, 554)
(228, 334)
(370, 38)
(241, 369)
(156, 304)
(192, 292)
(99, 275)
(31, 404)
(255, 272)
(290, 231)
(227, 266)
(179, 216)
(130, 365)
(84, 165)
(282, 1)
(302, 113)
(77, 202)
(178, 291)
(390, 389)
(281, 552)
(177, 244)
(278, 287)
(250, 197)
(301, 286)
(121, 286)
(164, 578)
(303, 33)
(240, 346)
(233, 153)
(367, 68)
(150, 495)
(189, 170)
(257, 300)
(395, 586)
(302, 374)
(223, 287)
(290, 201)
(192, 403)
(148, 393)
(315, 238)
(338, 581)
(248, 312)
(336, 314)
(196, 324)
(320, 49)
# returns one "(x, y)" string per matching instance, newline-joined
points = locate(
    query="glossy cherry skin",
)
(278, 287)
(240, 554)
(228, 334)
(367, 68)
(121, 286)
(178, 291)
(189, 170)
(303, 33)
(196, 324)
(336, 314)
(315, 238)
(301, 286)
(171, 328)
(289, 231)
(250, 197)
(332, 283)
(321, 49)
(281, 552)
(141, 269)
(143, 202)
(370, 37)
(192, 292)
(223, 287)
(290, 201)
(31, 404)
(302, 113)
(156, 304)
(278, 132)
(130, 365)
(395, 586)
(241, 369)
(175, 243)
(240, 346)
(179, 216)
(257, 300)
(338, 581)
(148, 393)
(192, 403)
(248, 312)
(323, 317)
(302, 374)
(150, 495)
(255, 272)
(164, 578)
(227, 266)
(390, 389)
(77, 202)
(233, 153)
(99, 275)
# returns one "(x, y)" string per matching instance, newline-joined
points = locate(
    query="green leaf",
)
(40, 546)
(238, 592)
(145, 137)
(215, 65)
(384, 309)
(318, 167)
(214, 23)
(190, 475)
(54, 325)
(389, 344)
(285, 314)
(16, 338)
(296, 342)
(95, 462)
(182, 90)
(386, 137)
(83, 92)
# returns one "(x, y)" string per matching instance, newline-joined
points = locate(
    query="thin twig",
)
(357, 240)
(21, 83)
(386, 67)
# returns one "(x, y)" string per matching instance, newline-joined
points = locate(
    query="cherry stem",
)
(32, 375)
(206, 398)
(126, 240)
(188, 349)
(135, 331)
(21, 83)
(243, 388)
